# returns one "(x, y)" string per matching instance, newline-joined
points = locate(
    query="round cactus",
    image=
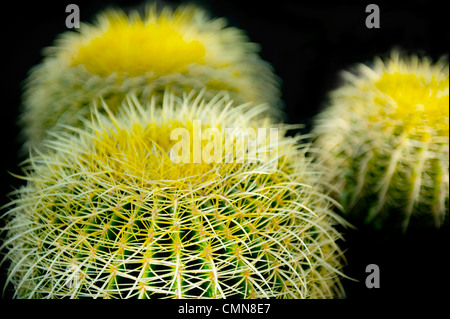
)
(385, 138)
(110, 213)
(178, 50)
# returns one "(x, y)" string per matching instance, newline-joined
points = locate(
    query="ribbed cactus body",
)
(179, 51)
(385, 139)
(108, 214)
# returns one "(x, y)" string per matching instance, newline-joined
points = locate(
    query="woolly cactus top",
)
(163, 43)
(408, 90)
(109, 214)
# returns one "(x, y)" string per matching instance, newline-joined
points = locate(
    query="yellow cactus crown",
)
(410, 90)
(161, 42)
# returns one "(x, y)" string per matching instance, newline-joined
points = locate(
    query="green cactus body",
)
(177, 51)
(109, 214)
(385, 139)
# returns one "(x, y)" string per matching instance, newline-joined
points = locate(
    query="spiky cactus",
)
(177, 50)
(385, 139)
(109, 213)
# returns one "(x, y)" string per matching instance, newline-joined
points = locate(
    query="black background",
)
(307, 43)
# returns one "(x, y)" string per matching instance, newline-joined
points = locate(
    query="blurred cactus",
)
(177, 50)
(385, 140)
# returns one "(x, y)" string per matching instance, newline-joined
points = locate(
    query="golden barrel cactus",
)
(385, 139)
(112, 212)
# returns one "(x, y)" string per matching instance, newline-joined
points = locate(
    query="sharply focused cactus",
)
(385, 138)
(177, 50)
(107, 213)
